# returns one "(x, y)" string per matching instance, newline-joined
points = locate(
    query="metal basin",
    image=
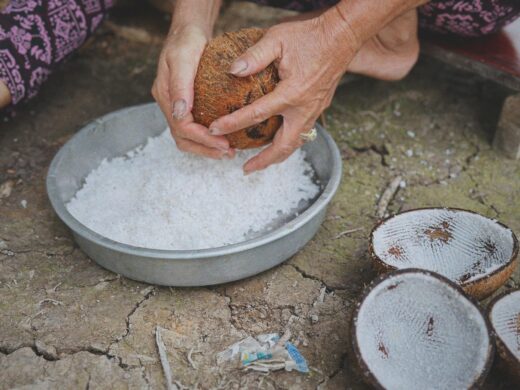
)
(115, 134)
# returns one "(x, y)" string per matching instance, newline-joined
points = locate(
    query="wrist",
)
(365, 19)
(339, 28)
(200, 33)
(195, 15)
(5, 95)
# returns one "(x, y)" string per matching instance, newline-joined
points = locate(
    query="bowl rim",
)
(86, 233)
(482, 278)
(503, 348)
(367, 373)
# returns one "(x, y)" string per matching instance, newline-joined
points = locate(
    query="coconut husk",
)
(476, 282)
(218, 93)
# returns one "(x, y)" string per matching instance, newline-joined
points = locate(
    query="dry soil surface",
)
(67, 323)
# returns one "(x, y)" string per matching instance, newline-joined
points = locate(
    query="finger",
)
(264, 108)
(188, 146)
(191, 131)
(285, 142)
(257, 57)
(161, 96)
(182, 71)
(199, 134)
(186, 128)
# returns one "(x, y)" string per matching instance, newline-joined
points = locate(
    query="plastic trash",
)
(266, 352)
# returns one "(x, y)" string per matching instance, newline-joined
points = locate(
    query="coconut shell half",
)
(504, 315)
(218, 93)
(415, 329)
(477, 253)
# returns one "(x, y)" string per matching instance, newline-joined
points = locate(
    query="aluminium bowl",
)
(115, 134)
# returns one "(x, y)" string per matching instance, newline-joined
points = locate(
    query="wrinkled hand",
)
(173, 91)
(311, 56)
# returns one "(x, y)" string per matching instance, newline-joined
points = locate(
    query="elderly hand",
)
(173, 87)
(311, 56)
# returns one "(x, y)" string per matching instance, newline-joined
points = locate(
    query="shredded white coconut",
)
(158, 197)
(505, 317)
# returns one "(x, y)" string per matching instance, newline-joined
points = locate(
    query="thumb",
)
(257, 57)
(181, 80)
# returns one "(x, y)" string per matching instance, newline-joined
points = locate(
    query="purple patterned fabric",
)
(36, 35)
(468, 18)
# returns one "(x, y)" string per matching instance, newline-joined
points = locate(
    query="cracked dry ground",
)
(66, 323)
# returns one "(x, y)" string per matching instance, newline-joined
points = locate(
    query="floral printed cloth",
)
(470, 18)
(37, 35)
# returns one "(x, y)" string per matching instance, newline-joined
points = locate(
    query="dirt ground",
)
(66, 323)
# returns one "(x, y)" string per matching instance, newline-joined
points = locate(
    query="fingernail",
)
(238, 67)
(214, 131)
(179, 109)
(227, 154)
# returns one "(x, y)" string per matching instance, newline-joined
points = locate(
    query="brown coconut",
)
(218, 93)
(504, 316)
(400, 325)
(394, 254)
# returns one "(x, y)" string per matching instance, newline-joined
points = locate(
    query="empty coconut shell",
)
(477, 253)
(504, 315)
(415, 329)
(218, 93)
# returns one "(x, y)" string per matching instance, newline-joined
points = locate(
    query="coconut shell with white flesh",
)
(477, 253)
(504, 316)
(414, 329)
(218, 93)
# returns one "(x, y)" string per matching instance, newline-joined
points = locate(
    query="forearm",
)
(198, 13)
(5, 95)
(360, 20)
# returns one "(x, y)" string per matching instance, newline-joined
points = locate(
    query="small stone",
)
(507, 137)
(97, 348)
(48, 351)
(147, 290)
(23, 203)
(6, 188)
(314, 318)
(411, 134)
(409, 153)
(101, 285)
(3, 244)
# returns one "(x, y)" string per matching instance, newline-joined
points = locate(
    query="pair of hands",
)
(311, 56)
